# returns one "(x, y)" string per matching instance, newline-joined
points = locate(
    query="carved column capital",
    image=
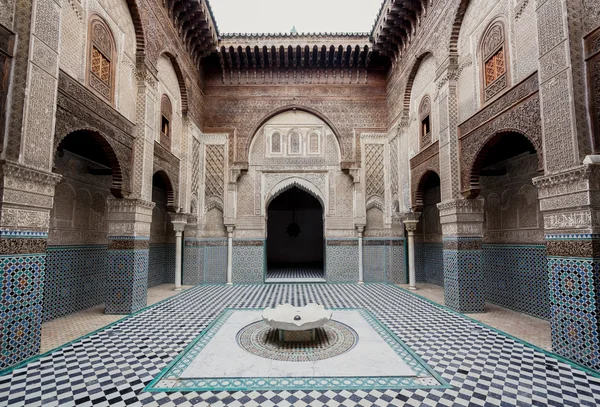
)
(411, 220)
(179, 220)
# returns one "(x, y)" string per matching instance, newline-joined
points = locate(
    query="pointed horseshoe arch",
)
(289, 183)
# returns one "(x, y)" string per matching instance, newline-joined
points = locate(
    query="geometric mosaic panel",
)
(342, 262)
(161, 264)
(215, 262)
(516, 277)
(429, 263)
(21, 289)
(575, 310)
(463, 277)
(127, 289)
(383, 261)
(75, 279)
(248, 263)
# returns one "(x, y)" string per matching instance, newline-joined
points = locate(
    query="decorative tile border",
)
(168, 379)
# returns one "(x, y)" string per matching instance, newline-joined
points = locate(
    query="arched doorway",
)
(295, 237)
(161, 258)
(428, 238)
(514, 251)
(76, 257)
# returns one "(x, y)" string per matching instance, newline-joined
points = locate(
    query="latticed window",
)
(101, 58)
(166, 113)
(425, 118)
(493, 51)
(294, 143)
(276, 143)
(313, 143)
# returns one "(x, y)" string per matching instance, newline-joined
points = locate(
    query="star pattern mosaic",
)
(111, 367)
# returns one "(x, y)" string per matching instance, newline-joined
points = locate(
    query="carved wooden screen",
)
(425, 119)
(166, 114)
(592, 53)
(101, 59)
(495, 63)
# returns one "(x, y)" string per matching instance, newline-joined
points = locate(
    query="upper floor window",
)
(295, 143)
(495, 63)
(425, 118)
(276, 143)
(314, 143)
(101, 59)
(166, 113)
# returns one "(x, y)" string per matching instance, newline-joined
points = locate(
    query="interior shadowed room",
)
(283, 203)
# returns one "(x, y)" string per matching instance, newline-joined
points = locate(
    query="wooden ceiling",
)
(396, 25)
(196, 25)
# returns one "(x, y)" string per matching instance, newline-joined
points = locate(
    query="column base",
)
(177, 289)
(413, 288)
(229, 283)
(361, 282)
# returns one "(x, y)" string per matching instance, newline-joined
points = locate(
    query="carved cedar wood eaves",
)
(518, 110)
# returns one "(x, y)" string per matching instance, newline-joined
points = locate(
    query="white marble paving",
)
(223, 357)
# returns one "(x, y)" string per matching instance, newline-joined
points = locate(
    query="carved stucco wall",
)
(169, 85)
(274, 166)
(348, 107)
(424, 84)
(74, 38)
(79, 213)
(522, 47)
(511, 205)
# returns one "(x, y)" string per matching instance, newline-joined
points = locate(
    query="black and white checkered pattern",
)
(295, 274)
(112, 367)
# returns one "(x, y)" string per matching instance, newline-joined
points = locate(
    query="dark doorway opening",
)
(295, 238)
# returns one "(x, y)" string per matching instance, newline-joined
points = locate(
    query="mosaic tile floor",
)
(484, 367)
(295, 275)
(61, 330)
(529, 328)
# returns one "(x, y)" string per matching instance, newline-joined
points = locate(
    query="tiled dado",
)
(384, 261)
(341, 260)
(205, 261)
(75, 279)
(248, 261)
(127, 287)
(22, 259)
(574, 268)
(512, 273)
(429, 262)
(161, 264)
(463, 276)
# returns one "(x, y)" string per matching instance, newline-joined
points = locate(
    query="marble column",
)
(128, 250)
(27, 198)
(361, 278)
(462, 228)
(570, 205)
(179, 220)
(411, 220)
(229, 255)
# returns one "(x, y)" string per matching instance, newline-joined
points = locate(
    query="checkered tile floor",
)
(295, 273)
(112, 367)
